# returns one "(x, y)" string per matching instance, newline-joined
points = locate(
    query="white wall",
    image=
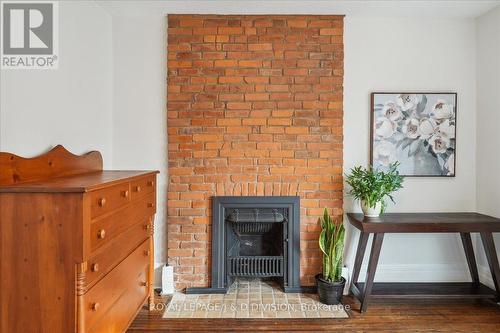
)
(488, 112)
(413, 55)
(488, 116)
(71, 105)
(139, 107)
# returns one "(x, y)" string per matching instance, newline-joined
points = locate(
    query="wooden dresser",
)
(76, 243)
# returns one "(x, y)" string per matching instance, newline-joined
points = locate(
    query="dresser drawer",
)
(126, 284)
(107, 258)
(122, 313)
(105, 230)
(107, 199)
(142, 186)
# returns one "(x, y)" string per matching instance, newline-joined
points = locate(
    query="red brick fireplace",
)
(254, 108)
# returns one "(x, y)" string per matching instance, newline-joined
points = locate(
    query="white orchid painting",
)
(418, 130)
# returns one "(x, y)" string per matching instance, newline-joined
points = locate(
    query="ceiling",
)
(365, 8)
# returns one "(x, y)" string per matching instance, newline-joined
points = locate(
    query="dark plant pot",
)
(330, 293)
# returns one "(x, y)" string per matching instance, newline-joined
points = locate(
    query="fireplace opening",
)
(255, 245)
(255, 237)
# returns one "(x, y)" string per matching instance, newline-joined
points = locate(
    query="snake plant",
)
(331, 243)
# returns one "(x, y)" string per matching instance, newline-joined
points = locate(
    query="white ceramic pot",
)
(371, 211)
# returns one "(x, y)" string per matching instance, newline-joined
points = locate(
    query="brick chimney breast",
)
(255, 107)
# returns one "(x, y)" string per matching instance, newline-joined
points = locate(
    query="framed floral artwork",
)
(415, 129)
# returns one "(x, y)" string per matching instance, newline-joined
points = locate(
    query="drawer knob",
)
(138, 189)
(150, 205)
(102, 202)
(101, 233)
(125, 194)
(95, 267)
(146, 253)
(144, 283)
(95, 306)
(147, 226)
(151, 183)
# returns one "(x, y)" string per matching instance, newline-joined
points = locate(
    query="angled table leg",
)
(469, 254)
(360, 254)
(491, 256)
(372, 268)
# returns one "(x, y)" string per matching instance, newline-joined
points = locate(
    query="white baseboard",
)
(427, 273)
(405, 273)
(418, 273)
(158, 271)
(485, 276)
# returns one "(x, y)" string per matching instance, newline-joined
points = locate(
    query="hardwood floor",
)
(382, 316)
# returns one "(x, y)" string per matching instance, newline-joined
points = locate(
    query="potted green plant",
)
(331, 242)
(371, 187)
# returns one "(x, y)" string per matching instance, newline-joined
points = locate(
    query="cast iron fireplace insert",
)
(254, 236)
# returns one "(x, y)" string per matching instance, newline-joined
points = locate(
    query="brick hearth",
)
(254, 108)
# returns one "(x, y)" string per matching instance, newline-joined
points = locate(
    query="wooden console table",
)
(463, 223)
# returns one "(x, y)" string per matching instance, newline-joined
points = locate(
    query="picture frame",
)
(416, 129)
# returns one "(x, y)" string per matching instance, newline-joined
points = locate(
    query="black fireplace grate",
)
(261, 266)
(252, 228)
(257, 248)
